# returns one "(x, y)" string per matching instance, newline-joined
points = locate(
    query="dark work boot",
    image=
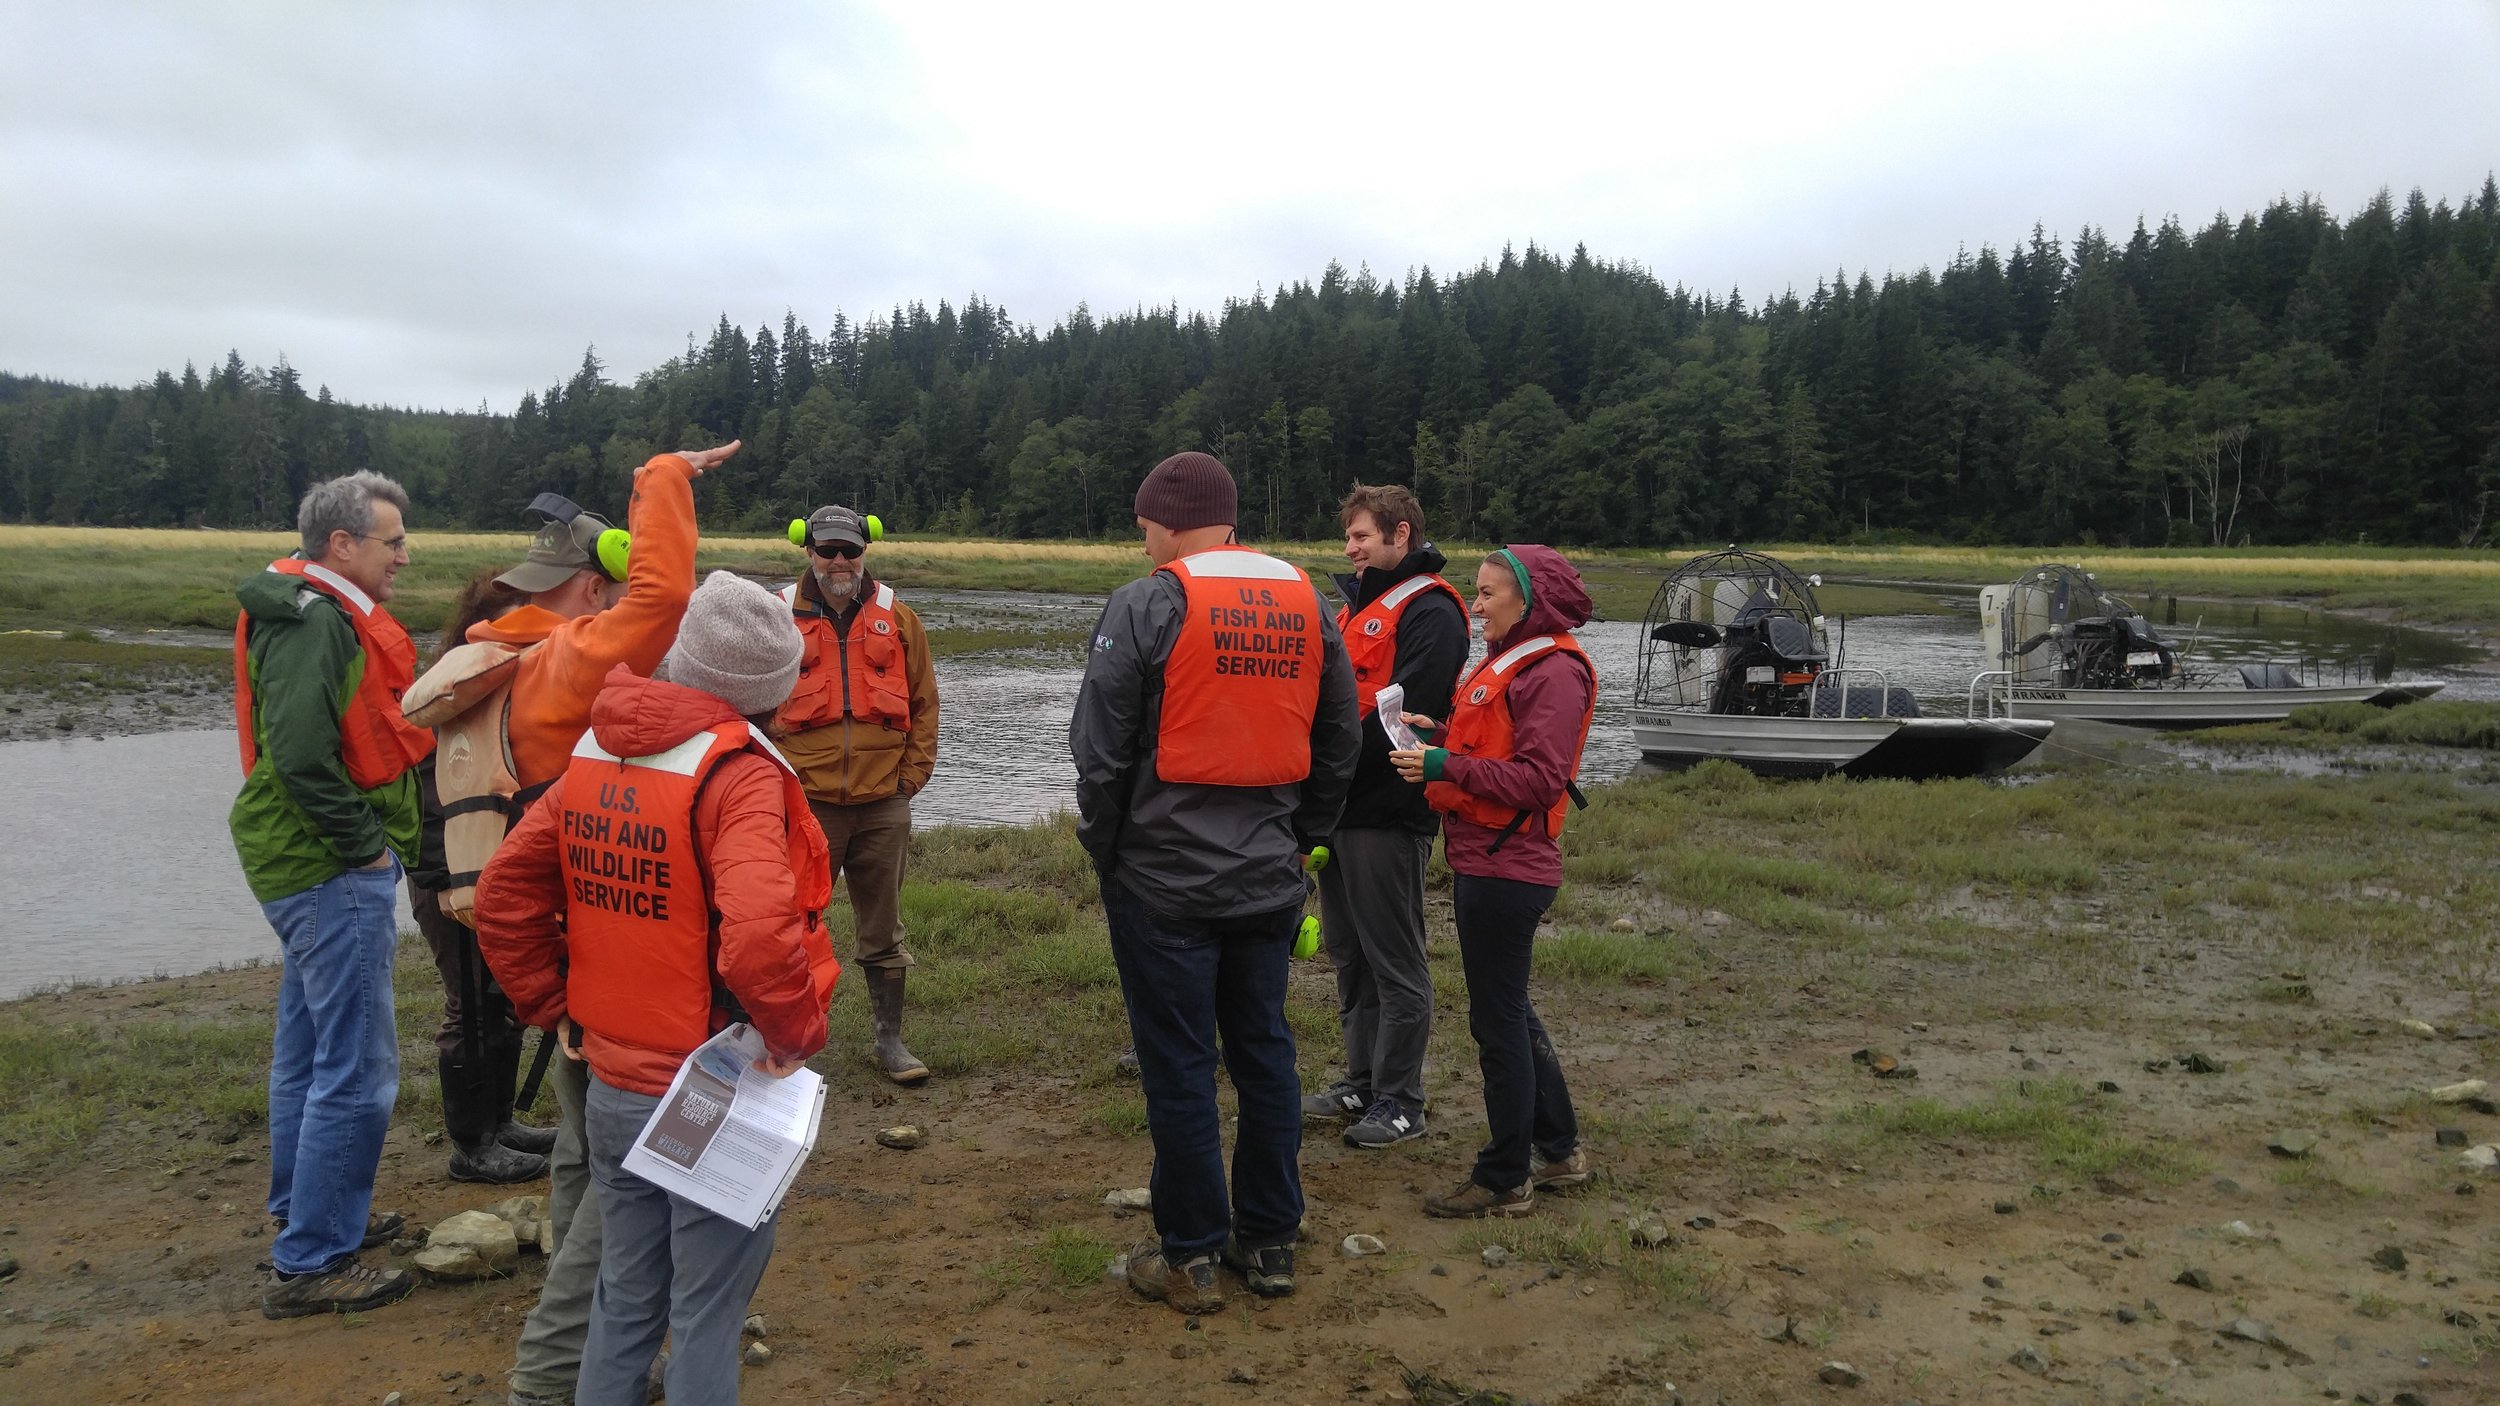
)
(494, 1163)
(885, 1008)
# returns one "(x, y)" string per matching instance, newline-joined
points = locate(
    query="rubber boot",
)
(885, 1006)
(504, 1064)
(471, 1116)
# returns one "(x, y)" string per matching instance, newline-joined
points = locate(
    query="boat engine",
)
(1768, 668)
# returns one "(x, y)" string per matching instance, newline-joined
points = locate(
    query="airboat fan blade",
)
(1689, 634)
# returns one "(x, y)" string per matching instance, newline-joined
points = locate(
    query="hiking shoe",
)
(379, 1227)
(496, 1164)
(1556, 1176)
(518, 1397)
(521, 1137)
(1468, 1201)
(347, 1288)
(1342, 1099)
(1268, 1270)
(1188, 1287)
(1386, 1125)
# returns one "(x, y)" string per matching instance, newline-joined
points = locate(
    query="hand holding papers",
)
(728, 1136)
(1391, 705)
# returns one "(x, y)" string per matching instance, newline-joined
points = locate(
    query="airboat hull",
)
(2196, 707)
(1908, 748)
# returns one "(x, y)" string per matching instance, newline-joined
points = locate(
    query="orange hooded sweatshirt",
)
(551, 694)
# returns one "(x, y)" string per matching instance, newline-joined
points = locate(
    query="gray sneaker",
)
(346, 1288)
(1342, 1099)
(1386, 1124)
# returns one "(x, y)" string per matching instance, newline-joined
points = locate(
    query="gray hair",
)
(343, 504)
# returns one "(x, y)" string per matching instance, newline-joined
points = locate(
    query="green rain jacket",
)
(299, 821)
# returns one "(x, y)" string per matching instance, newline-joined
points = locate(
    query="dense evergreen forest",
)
(2284, 377)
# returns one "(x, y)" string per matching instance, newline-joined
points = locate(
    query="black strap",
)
(465, 879)
(528, 796)
(1572, 789)
(504, 805)
(1507, 831)
(538, 1071)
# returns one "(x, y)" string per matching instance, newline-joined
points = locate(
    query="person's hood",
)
(1355, 588)
(522, 625)
(1557, 600)
(637, 717)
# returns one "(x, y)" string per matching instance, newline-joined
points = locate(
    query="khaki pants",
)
(868, 843)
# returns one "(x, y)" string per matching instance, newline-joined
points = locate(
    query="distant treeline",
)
(2279, 378)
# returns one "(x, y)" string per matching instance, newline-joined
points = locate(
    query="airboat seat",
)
(1791, 639)
(1867, 701)
(2269, 676)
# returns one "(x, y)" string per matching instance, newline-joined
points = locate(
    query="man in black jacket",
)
(1402, 625)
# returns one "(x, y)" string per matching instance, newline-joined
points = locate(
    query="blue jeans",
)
(334, 1066)
(1185, 981)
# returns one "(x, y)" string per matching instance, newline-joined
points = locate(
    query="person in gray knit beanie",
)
(736, 643)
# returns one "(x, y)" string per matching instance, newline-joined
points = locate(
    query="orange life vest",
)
(640, 931)
(860, 673)
(376, 744)
(1480, 726)
(1242, 685)
(1371, 634)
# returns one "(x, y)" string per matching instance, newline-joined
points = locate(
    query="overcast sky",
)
(442, 204)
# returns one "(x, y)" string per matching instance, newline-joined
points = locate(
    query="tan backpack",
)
(467, 699)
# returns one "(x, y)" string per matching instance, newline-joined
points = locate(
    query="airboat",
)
(2064, 649)
(1736, 665)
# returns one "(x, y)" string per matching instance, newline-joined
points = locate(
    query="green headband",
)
(1526, 596)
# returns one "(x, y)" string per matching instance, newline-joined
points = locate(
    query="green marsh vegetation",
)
(2437, 722)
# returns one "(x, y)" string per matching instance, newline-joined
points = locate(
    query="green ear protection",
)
(614, 546)
(874, 524)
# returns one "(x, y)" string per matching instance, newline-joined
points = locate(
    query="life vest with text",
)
(640, 931)
(1481, 726)
(1371, 634)
(858, 673)
(1242, 684)
(376, 744)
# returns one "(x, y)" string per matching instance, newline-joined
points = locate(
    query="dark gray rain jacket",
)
(1194, 851)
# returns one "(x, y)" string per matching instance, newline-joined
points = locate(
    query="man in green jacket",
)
(327, 815)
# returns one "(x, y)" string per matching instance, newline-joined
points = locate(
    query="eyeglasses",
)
(394, 543)
(847, 551)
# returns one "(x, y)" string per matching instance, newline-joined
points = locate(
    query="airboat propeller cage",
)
(2054, 626)
(1714, 605)
(612, 548)
(874, 524)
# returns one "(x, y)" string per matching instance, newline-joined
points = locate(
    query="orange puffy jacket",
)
(772, 957)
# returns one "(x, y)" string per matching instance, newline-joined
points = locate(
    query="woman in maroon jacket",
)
(1501, 780)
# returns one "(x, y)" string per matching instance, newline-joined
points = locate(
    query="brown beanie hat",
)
(1188, 491)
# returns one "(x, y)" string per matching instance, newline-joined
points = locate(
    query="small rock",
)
(1992, 1281)
(2106, 1086)
(2028, 1359)
(2249, 1330)
(1623, 925)
(1440, 1271)
(1713, 918)
(2239, 1230)
(2226, 1187)
(1241, 1377)
(2156, 1066)
(2459, 1092)
(2422, 1028)
(2459, 1318)
(2390, 1258)
(2113, 1238)
(470, 1245)
(1840, 1374)
(1702, 1223)
(391, 1400)
(2201, 1063)
(1135, 1198)
(756, 1355)
(2298, 1142)
(1495, 1256)
(903, 1138)
(1919, 1025)
(2125, 1314)
(1650, 1232)
(2032, 1064)
(8, 1266)
(1898, 1071)
(2196, 1279)
(2480, 1159)
(2449, 1137)
(2407, 1398)
(2471, 1032)
(1361, 1246)
(757, 1326)
(2006, 1208)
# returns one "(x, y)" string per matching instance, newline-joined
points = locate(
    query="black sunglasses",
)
(847, 551)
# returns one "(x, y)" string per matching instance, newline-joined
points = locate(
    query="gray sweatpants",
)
(669, 1268)
(1371, 906)
(549, 1361)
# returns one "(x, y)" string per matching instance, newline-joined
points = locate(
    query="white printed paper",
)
(728, 1136)
(1390, 704)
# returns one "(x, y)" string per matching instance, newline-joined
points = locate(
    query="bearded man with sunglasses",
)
(861, 730)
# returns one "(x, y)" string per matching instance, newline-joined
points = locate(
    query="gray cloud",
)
(442, 204)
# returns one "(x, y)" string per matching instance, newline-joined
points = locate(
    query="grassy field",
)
(142, 578)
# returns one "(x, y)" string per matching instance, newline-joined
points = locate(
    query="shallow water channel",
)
(115, 862)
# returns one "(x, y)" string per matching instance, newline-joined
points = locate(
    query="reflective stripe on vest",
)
(861, 673)
(376, 744)
(1481, 726)
(1242, 685)
(639, 924)
(1371, 635)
